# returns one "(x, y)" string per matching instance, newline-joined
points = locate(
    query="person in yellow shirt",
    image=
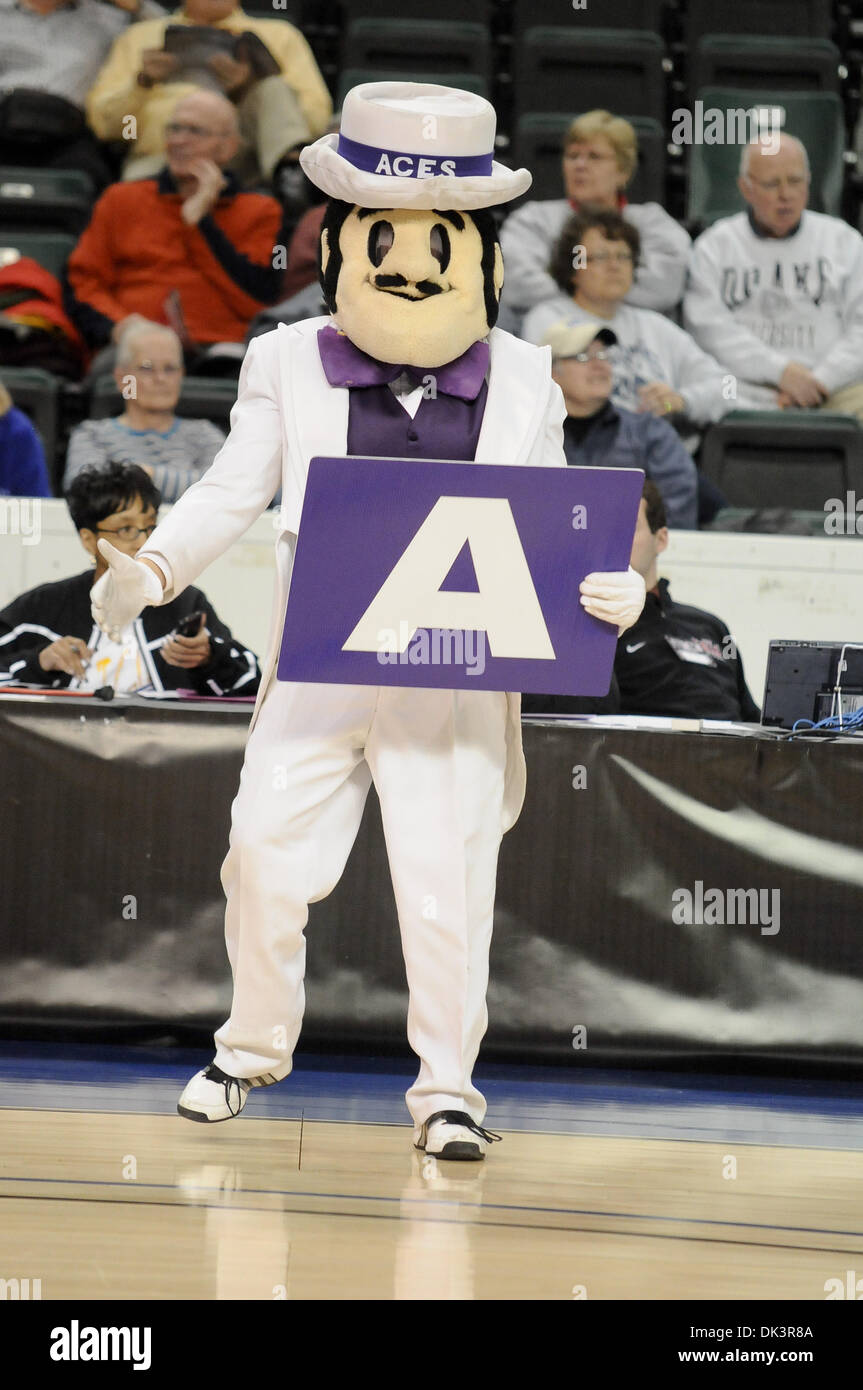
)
(140, 84)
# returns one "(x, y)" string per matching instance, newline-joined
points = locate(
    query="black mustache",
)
(394, 282)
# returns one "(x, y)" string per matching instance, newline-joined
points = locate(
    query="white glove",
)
(127, 587)
(615, 598)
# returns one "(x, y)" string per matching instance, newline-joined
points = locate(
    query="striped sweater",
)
(177, 459)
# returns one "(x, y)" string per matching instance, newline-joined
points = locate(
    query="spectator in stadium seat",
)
(676, 660)
(47, 636)
(302, 267)
(776, 292)
(50, 53)
(304, 245)
(657, 366)
(597, 434)
(174, 451)
(22, 460)
(600, 153)
(306, 304)
(277, 113)
(186, 246)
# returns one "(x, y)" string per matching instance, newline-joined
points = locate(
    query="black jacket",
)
(62, 609)
(618, 438)
(678, 660)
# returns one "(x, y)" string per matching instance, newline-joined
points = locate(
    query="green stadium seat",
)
(537, 147)
(49, 249)
(792, 65)
(816, 118)
(431, 45)
(468, 81)
(480, 11)
(811, 19)
(615, 14)
(44, 200)
(795, 459)
(295, 11)
(560, 69)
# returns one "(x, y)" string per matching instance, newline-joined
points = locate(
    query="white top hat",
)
(413, 145)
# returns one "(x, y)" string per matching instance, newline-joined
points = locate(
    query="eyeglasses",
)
(152, 369)
(793, 181)
(621, 257)
(127, 533)
(182, 128)
(572, 156)
(583, 357)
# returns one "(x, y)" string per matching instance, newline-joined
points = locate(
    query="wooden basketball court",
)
(605, 1187)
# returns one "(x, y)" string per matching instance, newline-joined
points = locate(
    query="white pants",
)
(437, 759)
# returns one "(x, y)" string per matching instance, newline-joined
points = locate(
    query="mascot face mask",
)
(410, 265)
(414, 285)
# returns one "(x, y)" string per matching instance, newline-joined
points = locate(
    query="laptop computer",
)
(805, 681)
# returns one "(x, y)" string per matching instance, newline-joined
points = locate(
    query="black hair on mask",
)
(486, 225)
(334, 219)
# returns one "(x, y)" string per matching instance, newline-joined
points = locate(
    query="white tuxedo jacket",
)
(286, 413)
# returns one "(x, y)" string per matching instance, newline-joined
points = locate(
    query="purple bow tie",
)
(345, 365)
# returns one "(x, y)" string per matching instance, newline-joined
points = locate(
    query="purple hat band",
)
(372, 159)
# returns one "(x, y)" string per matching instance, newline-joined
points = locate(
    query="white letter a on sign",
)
(506, 607)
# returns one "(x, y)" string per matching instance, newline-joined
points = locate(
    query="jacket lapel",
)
(517, 400)
(315, 413)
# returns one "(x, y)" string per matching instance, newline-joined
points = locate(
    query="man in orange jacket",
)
(184, 248)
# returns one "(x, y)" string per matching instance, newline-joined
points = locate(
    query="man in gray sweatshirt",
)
(775, 293)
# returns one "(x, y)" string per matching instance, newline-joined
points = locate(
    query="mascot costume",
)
(412, 273)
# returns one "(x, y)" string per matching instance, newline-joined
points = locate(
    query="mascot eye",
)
(439, 245)
(381, 238)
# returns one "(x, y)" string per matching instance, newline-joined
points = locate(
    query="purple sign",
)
(461, 576)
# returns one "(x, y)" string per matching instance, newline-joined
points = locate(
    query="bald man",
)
(775, 293)
(185, 248)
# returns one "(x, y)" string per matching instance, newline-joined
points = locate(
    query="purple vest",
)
(444, 427)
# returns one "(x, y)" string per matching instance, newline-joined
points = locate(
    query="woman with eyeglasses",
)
(48, 638)
(149, 374)
(599, 162)
(657, 366)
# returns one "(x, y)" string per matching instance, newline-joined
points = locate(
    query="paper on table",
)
(195, 695)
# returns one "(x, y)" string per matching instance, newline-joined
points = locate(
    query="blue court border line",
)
(585, 1128)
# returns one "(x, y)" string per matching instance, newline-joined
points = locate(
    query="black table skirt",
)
(115, 823)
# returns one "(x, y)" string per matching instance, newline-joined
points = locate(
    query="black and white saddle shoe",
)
(453, 1134)
(212, 1095)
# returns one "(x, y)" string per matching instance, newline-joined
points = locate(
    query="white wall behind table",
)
(239, 584)
(763, 587)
